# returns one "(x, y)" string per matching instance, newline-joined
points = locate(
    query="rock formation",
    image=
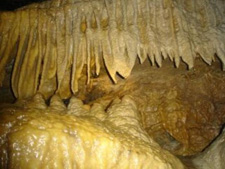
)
(41, 137)
(83, 100)
(213, 156)
(52, 41)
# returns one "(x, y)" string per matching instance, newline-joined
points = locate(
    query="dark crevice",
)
(10, 5)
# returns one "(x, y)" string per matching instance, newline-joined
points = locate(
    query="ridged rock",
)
(40, 139)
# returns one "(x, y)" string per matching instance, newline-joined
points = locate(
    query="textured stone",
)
(182, 110)
(36, 138)
(213, 156)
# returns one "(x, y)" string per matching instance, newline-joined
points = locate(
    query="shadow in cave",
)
(10, 5)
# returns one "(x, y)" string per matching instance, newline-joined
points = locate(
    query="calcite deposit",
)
(113, 84)
(38, 136)
(53, 41)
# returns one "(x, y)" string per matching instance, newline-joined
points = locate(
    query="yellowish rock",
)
(36, 138)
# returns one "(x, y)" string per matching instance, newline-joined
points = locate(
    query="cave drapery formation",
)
(58, 47)
(52, 41)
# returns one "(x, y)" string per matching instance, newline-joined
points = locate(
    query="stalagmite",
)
(57, 104)
(77, 107)
(37, 102)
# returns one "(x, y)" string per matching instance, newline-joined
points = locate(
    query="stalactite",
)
(130, 35)
(80, 33)
(109, 40)
(150, 34)
(5, 28)
(26, 85)
(62, 59)
(64, 86)
(97, 43)
(89, 40)
(23, 42)
(76, 41)
(8, 41)
(174, 51)
(158, 56)
(49, 61)
(40, 47)
(80, 60)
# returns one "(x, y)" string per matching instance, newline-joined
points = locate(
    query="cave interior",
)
(112, 84)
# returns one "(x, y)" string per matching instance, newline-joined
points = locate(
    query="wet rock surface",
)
(63, 138)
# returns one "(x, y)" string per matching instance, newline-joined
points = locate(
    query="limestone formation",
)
(82, 99)
(53, 41)
(36, 138)
(182, 110)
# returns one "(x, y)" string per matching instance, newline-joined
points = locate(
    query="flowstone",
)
(87, 137)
